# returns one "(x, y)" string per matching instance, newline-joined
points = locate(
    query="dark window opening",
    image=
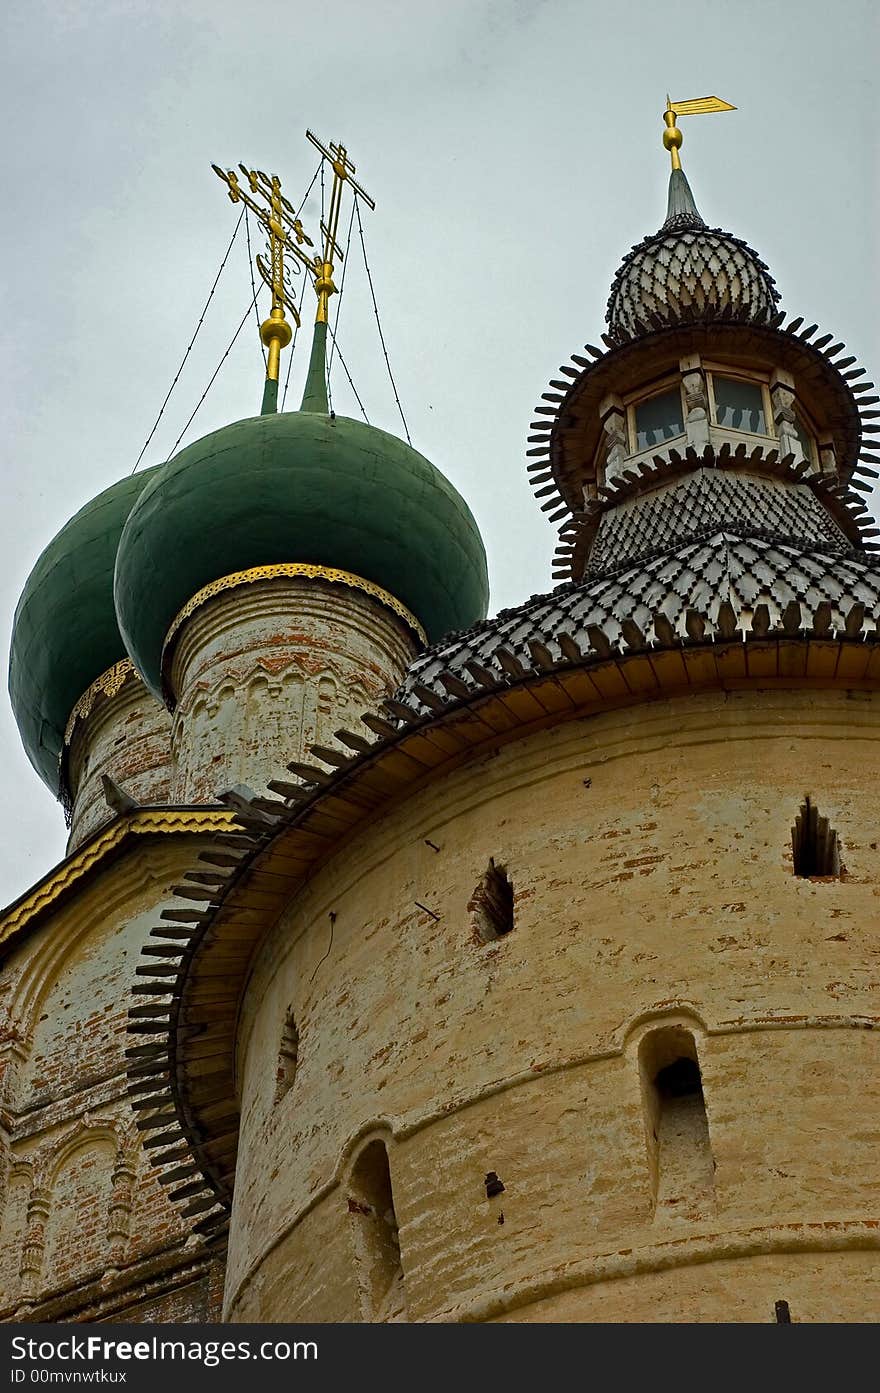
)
(680, 1160)
(815, 848)
(783, 1314)
(681, 1079)
(659, 418)
(377, 1240)
(492, 904)
(739, 405)
(288, 1058)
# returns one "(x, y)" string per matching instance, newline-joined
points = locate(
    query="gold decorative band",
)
(149, 821)
(108, 684)
(293, 568)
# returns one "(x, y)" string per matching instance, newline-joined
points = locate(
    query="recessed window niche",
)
(377, 1240)
(491, 904)
(680, 1160)
(288, 1058)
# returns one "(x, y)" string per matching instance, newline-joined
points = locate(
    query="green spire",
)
(270, 397)
(681, 210)
(315, 394)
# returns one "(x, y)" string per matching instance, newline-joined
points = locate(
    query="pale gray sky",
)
(513, 149)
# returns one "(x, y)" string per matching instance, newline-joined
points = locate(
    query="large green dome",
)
(65, 634)
(297, 487)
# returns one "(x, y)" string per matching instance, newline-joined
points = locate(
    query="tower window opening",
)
(815, 846)
(805, 438)
(377, 1240)
(492, 904)
(739, 405)
(288, 1058)
(657, 419)
(680, 1161)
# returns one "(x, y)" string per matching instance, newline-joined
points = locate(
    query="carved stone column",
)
(613, 416)
(782, 398)
(122, 1181)
(696, 398)
(31, 1266)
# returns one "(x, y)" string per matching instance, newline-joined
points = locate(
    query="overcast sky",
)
(513, 150)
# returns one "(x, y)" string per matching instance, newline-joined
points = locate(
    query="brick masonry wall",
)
(264, 671)
(650, 854)
(87, 1231)
(127, 736)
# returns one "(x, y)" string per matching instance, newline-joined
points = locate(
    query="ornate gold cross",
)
(285, 234)
(343, 173)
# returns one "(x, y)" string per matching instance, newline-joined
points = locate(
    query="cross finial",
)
(343, 173)
(285, 234)
(693, 106)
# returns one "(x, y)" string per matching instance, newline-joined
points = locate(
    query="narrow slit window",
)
(377, 1239)
(815, 846)
(679, 1151)
(288, 1058)
(492, 904)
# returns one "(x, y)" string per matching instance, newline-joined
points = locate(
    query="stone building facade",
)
(412, 965)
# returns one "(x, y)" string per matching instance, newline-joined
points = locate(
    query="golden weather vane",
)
(343, 173)
(694, 106)
(285, 233)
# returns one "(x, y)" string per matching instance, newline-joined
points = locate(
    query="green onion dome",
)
(301, 486)
(64, 634)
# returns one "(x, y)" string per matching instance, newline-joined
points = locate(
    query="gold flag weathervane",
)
(694, 106)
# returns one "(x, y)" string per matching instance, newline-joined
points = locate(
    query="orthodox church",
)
(412, 965)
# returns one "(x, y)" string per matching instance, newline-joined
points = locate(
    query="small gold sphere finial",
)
(276, 334)
(694, 106)
(672, 137)
(276, 327)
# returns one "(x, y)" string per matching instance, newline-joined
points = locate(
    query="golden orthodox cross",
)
(343, 173)
(285, 234)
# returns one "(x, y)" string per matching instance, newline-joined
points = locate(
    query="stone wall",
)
(650, 855)
(127, 735)
(263, 671)
(86, 1229)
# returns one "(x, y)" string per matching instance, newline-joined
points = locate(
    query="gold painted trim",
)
(63, 877)
(108, 684)
(292, 568)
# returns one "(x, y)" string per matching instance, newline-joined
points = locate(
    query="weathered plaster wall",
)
(264, 671)
(650, 854)
(127, 736)
(86, 1230)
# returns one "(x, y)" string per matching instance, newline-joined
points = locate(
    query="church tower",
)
(431, 967)
(178, 648)
(556, 1001)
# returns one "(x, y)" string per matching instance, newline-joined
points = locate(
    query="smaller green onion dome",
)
(65, 634)
(297, 487)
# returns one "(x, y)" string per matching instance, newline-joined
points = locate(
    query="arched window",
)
(377, 1241)
(677, 1129)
